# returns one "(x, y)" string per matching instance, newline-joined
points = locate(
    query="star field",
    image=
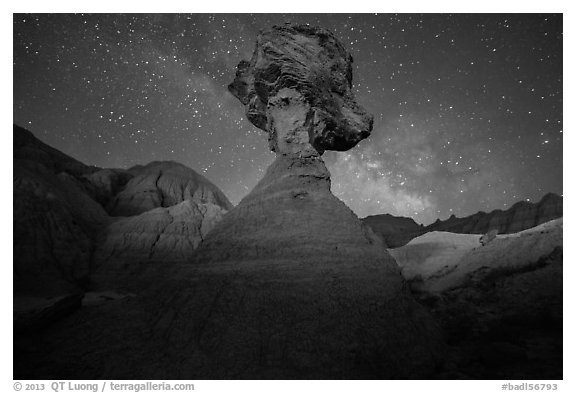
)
(467, 108)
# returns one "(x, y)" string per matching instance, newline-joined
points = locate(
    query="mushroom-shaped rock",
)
(297, 273)
(290, 283)
(298, 88)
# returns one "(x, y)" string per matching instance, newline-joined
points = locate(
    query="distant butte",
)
(397, 231)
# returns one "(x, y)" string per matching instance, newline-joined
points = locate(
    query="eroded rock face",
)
(298, 88)
(500, 303)
(438, 261)
(63, 234)
(318, 287)
(106, 183)
(134, 246)
(164, 184)
(289, 284)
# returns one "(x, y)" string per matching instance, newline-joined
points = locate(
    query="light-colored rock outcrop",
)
(163, 233)
(168, 210)
(439, 261)
(500, 304)
(433, 254)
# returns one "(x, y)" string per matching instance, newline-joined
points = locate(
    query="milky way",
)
(467, 108)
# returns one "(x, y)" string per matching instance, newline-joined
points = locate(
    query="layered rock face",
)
(164, 184)
(298, 88)
(163, 213)
(163, 233)
(133, 247)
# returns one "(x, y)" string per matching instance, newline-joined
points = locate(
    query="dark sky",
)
(467, 108)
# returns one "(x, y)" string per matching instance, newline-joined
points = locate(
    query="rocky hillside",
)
(133, 247)
(164, 184)
(28, 148)
(63, 230)
(56, 221)
(397, 231)
(444, 260)
(500, 303)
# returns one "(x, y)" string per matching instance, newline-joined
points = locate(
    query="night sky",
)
(467, 108)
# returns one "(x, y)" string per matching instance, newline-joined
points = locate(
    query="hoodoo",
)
(313, 292)
(289, 284)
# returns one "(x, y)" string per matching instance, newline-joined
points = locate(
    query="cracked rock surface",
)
(159, 236)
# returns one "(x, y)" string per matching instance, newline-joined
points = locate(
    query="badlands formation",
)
(289, 284)
(327, 298)
(151, 273)
(69, 237)
(499, 303)
(397, 231)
